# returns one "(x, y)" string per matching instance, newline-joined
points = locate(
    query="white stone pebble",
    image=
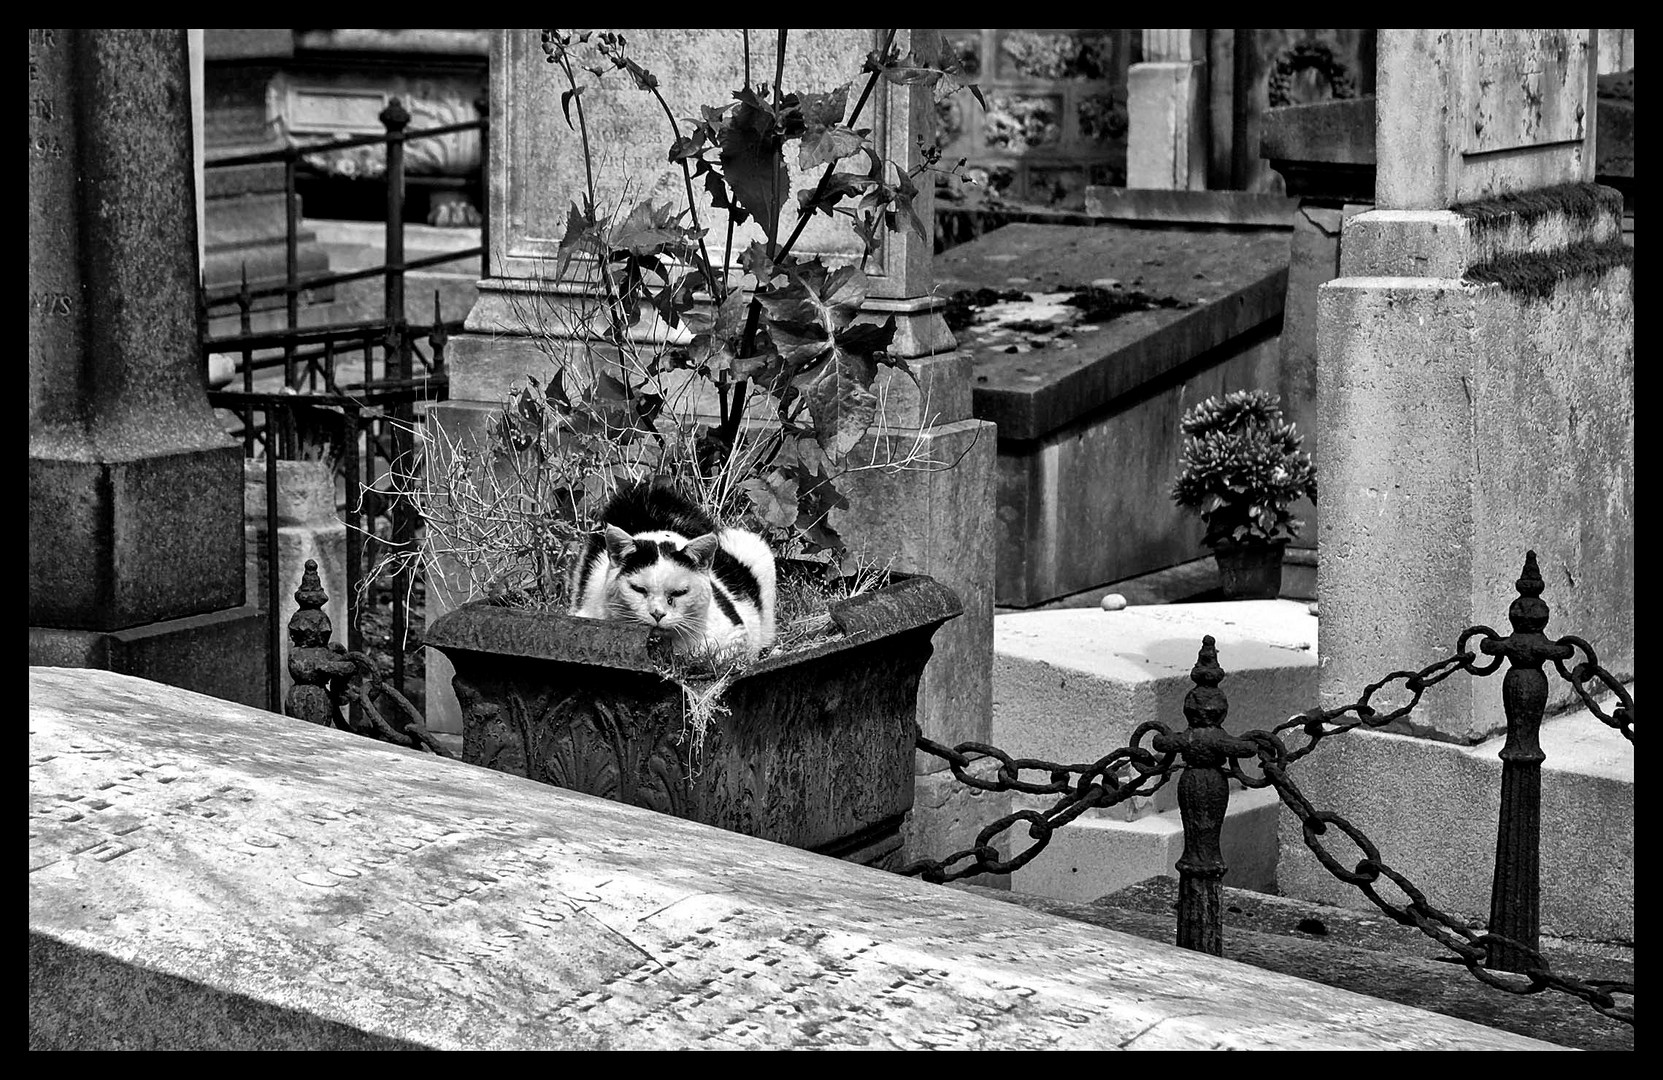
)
(1312, 607)
(1113, 602)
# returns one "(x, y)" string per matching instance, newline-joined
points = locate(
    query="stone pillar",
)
(1325, 154)
(198, 139)
(935, 520)
(135, 537)
(1475, 376)
(1167, 112)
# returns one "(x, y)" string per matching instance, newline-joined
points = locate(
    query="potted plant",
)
(1242, 470)
(745, 377)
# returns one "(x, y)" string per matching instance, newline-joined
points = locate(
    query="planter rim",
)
(909, 602)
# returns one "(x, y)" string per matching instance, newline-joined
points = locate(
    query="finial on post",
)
(1205, 704)
(1529, 613)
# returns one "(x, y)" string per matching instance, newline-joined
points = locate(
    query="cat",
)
(660, 560)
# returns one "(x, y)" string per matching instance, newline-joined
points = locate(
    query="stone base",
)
(125, 541)
(1093, 856)
(221, 653)
(1072, 685)
(1432, 807)
(1091, 502)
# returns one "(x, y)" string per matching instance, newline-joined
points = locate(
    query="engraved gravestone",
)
(202, 875)
(134, 491)
(1470, 114)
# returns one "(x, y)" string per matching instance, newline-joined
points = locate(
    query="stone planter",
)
(815, 750)
(1250, 571)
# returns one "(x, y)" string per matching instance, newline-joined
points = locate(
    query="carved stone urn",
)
(811, 747)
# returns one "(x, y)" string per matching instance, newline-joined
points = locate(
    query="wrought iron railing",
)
(1209, 758)
(381, 407)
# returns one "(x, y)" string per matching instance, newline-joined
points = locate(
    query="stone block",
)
(1431, 808)
(1072, 685)
(119, 543)
(530, 138)
(207, 875)
(1167, 133)
(1091, 502)
(1095, 855)
(1465, 424)
(1473, 114)
(218, 653)
(935, 518)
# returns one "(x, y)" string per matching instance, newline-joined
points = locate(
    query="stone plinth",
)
(1470, 415)
(1073, 685)
(205, 875)
(1435, 820)
(134, 491)
(1088, 425)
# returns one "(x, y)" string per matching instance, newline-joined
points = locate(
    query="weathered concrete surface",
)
(946, 815)
(1366, 952)
(1471, 114)
(1098, 853)
(1431, 808)
(1072, 685)
(1166, 138)
(1464, 424)
(187, 855)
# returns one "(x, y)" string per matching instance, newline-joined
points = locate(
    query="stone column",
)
(936, 521)
(1166, 109)
(135, 493)
(1475, 377)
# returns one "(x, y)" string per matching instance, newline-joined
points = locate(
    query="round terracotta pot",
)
(1250, 571)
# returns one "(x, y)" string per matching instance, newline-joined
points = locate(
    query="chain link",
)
(1128, 772)
(1623, 720)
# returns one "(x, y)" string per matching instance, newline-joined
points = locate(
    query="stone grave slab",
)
(203, 874)
(1088, 411)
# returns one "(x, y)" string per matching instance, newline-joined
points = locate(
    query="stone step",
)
(1432, 807)
(1367, 952)
(1072, 685)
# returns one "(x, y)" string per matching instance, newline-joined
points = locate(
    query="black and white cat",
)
(660, 561)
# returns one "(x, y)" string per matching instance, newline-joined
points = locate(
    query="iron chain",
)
(1623, 720)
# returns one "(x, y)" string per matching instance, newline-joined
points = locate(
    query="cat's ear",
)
(618, 543)
(702, 551)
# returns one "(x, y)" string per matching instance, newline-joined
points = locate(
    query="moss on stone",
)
(1536, 275)
(1581, 203)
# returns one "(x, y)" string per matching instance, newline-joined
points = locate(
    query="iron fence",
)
(1506, 956)
(377, 411)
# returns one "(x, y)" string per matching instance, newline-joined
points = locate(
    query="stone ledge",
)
(394, 896)
(1072, 685)
(1432, 807)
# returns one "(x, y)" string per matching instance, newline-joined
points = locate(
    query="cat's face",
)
(666, 588)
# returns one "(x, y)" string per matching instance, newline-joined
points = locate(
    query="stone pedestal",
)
(1475, 375)
(1167, 139)
(134, 491)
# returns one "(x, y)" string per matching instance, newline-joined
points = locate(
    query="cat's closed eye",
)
(639, 589)
(677, 594)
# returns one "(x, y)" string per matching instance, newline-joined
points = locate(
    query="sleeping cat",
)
(660, 561)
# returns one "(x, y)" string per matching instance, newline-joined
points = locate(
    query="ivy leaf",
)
(688, 146)
(865, 339)
(774, 498)
(715, 348)
(825, 140)
(717, 186)
(672, 300)
(755, 261)
(752, 163)
(648, 229)
(582, 230)
(840, 186)
(841, 401)
(815, 298)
